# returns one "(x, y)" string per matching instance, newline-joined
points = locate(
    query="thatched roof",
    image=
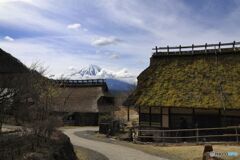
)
(191, 81)
(81, 99)
(9, 64)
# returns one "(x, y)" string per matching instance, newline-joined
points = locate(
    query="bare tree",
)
(7, 92)
(41, 93)
(29, 96)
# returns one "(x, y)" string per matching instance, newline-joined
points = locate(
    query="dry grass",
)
(176, 152)
(87, 154)
(185, 152)
(81, 154)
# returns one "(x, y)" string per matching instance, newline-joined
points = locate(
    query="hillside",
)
(9, 64)
(30, 147)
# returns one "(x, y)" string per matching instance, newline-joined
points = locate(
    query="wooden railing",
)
(194, 135)
(80, 82)
(196, 49)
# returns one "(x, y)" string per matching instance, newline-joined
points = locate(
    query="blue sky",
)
(114, 34)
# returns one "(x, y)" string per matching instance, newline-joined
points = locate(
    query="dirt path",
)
(111, 151)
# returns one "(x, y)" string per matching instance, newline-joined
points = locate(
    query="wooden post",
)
(205, 47)
(161, 117)
(194, 119)
(180, 49)
(150, 116)
(169, 118)
(139, 117)
(219, 117)
(197, 135)
(234, 46)
(192, 48)
(167, 49)
(163, 135)
(156, 48)
(219, 47)
(236, 129)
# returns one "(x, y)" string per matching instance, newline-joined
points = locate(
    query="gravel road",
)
(111, 151)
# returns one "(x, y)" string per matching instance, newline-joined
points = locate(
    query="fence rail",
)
(80, 82)
(231, 133)
(196, 49)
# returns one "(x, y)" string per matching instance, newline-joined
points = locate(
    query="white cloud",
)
(71, 68)
(27, 16)
(51, 55)
(141, 25)
(114, 56)
(8, 38)
(74, 26)
(9, 1)
(85, 29)
(103, 41)
(123, 73)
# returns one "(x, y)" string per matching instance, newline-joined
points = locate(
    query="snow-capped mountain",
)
(91, 70)
(117, 81)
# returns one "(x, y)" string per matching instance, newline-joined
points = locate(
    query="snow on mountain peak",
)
(96, 72)
(90, 71)
(119, 80)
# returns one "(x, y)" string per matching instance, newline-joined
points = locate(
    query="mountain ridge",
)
(120, 81)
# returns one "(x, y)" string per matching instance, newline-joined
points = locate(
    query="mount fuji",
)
(120, 81)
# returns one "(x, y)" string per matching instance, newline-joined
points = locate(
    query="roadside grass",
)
(81, 153)
(87, 154)
(193, 152)
(170, 151)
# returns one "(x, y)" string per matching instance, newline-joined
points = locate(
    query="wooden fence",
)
(86, 82)
(197, 135)
(196, 49)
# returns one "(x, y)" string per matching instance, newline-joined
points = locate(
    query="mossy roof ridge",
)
(190, 82)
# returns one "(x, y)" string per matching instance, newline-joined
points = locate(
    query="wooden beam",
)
(169, 118)
(139, 115)
(150, 116)
(194, 118)
(220, 117)
(192, 48)
(161, 117)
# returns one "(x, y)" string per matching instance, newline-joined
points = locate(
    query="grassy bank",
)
(87, 154)
(173, 152)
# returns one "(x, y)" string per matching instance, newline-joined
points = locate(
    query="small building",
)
(190, 87)
(81, 102)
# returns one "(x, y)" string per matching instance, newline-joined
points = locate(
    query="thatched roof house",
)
(83, 100)
(192, 85)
